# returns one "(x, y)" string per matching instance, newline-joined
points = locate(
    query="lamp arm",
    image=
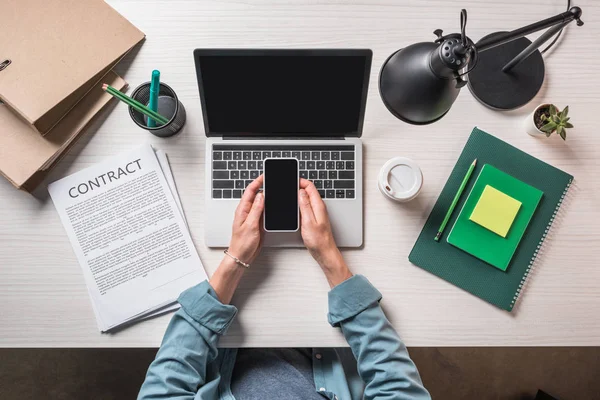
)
(561, 19)
(544, 37)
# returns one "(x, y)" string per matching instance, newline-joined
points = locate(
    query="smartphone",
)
(281, 185)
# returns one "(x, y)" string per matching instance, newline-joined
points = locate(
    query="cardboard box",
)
(26, 156)
(58, 51)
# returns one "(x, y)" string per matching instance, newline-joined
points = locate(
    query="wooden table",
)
(283, 299)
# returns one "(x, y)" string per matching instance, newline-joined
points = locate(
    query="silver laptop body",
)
(308, 104)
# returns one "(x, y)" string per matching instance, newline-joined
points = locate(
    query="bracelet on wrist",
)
(237, 260)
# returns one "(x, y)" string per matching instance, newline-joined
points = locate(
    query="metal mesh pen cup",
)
(169, 106)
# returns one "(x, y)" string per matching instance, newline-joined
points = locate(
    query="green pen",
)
(153, 101)
(455, 201)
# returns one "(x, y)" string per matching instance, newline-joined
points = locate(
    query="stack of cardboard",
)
(54, 57)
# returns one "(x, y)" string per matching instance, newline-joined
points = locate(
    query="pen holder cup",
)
(169, 106)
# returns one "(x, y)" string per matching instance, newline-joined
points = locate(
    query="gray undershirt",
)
(261, 374)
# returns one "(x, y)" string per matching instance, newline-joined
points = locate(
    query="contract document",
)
(125, 222)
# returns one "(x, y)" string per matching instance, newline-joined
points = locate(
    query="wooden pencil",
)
(135, 104)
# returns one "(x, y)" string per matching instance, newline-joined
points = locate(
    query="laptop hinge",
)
(283, 138)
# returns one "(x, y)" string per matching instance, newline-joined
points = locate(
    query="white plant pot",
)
(530, 127)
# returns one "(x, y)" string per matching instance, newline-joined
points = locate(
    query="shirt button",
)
(318, 356)
(322, 390)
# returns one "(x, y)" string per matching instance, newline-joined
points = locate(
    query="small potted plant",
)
(546, 119)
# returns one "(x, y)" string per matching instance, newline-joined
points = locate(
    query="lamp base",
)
(506, 90)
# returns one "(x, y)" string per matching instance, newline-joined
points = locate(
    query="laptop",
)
(306, 104)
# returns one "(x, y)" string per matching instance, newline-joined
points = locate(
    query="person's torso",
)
(307, 374)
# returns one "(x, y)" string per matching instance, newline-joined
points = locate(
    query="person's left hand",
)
(246, 238)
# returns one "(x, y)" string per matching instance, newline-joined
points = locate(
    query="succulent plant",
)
(556, 121)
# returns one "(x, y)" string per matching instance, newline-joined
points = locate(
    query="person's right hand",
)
(317, 235)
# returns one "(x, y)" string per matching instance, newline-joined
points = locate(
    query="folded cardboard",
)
(26, 156)
(59, 50)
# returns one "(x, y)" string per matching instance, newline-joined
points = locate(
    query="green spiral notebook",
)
(498, 287)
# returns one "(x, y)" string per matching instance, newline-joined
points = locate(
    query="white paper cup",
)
(400, 179)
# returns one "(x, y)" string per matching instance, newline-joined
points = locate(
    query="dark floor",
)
(449, 373)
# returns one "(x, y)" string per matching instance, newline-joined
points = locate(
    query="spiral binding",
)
(539, 250)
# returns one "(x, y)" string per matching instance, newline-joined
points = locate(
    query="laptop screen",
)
(283, 92)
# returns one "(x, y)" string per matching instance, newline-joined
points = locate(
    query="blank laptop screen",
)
(283, 93)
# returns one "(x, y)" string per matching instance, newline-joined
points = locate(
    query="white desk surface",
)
(283, 299)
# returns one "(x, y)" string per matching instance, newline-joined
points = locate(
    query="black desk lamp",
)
(420, 82)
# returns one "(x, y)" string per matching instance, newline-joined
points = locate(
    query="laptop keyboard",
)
(330, 168)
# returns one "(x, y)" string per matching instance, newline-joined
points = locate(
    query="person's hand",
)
(316, 229)
(246, 238)
(246, 241)
(317, 235)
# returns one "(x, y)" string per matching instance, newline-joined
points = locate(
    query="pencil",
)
(135, 104)
(455, 201)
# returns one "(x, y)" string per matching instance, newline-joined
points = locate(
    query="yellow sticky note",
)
(495, 211)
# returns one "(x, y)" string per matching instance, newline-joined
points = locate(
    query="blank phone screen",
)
(281, 194)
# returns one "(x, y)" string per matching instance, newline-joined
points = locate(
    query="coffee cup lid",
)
(400, 179)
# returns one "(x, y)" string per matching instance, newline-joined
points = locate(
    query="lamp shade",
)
(415, 83)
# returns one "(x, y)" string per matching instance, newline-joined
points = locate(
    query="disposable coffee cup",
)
(400, 179)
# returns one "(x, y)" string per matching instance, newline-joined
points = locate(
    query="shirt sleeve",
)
(383, 361)
(189, 345)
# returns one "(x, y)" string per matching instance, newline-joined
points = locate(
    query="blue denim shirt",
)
(189, 365)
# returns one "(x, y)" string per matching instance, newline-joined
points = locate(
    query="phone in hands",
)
(281, 184)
